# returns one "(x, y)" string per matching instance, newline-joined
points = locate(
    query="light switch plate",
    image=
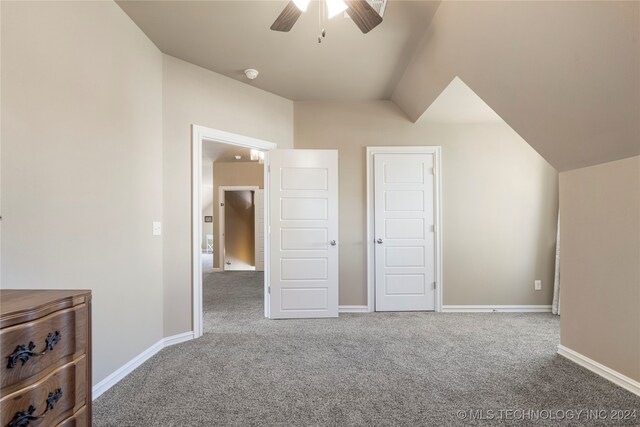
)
(537, 285)
(157, 228)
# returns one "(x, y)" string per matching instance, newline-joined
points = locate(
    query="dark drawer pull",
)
(23, 353)
(22, 418)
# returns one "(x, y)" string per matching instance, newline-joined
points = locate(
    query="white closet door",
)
(303, 215)
(404, 232)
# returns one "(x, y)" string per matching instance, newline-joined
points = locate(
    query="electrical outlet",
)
(537, 285)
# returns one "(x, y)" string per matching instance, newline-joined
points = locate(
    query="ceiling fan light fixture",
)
(364, 16)
(301, 4)
(335, 7)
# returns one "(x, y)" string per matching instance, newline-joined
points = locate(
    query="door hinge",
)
(435, 285)
(269, 290)
(269, 169)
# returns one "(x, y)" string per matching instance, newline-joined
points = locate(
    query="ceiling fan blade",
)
(363, 15)
(286, 19)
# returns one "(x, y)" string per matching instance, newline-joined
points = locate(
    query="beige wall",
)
(499, 200)
(229, 173)
(82, 166)
(239, 229)
(600, 263)
(193, 95)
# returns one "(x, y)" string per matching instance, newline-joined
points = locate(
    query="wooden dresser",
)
(45, 341)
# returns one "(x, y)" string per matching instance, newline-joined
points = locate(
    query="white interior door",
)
(258, 201)
(303, 216)
(404, 232)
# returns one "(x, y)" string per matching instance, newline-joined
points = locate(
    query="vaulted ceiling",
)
(230, 36)
(564, 75)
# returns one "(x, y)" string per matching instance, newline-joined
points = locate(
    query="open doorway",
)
(232, 286)
(240, 243)
(228, 226)
(300, 251)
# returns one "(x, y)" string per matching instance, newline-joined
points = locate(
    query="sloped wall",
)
(562, 74)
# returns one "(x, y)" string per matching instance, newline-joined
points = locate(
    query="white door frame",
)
(256, 228)
(198, 135)
(371, 272)
(221, 202)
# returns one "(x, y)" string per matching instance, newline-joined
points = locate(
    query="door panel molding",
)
(303, 207)
(437, 220)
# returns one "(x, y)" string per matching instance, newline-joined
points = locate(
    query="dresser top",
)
(18, 305)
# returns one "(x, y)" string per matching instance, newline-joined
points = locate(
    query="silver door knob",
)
(333, 243)
(379, 241)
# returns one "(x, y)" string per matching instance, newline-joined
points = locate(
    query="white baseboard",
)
(496, 309)
(177, 339)
(353, 309)
(614, 376)
(131, 365)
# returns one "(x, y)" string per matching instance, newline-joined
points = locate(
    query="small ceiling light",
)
(335, 7)
(238, 157)
(301, 4)
(251, 73)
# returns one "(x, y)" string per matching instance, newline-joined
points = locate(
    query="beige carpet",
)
(391, 369)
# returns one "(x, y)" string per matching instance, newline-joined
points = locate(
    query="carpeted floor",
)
(361, 369)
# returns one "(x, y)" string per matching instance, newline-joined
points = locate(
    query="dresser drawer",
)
(31, 350)
(62, 391)
(79, 419)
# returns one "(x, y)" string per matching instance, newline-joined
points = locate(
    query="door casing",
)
(259, 219)
(371, 270)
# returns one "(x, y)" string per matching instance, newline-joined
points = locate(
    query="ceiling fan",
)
(360, 11)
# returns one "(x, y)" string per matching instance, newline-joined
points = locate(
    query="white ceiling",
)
(230, 36)
(457, 103)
